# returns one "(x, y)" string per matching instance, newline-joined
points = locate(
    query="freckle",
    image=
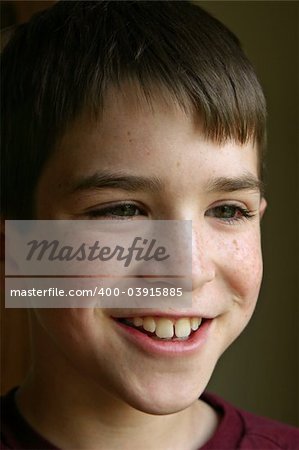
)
(129, 133)
(236, 244)
(178, 164)
(148, 152)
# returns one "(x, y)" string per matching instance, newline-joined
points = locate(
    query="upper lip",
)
(155, 313)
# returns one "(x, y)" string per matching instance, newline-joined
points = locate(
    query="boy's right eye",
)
(119, 211)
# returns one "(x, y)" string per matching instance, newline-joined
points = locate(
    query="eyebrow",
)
(118, 180)
(229, 184)
(132, 183)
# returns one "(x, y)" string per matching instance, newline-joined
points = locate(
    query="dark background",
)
(260, 371)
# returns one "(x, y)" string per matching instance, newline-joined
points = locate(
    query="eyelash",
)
(109, 212)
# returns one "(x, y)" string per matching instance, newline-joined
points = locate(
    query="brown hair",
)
(65, 58)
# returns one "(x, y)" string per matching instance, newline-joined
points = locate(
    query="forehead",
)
(132, 130)
(151, 142)
(137, 138)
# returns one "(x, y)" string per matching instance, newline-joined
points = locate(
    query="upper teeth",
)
(165, 327)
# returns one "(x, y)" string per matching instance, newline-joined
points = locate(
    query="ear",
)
(262, 208)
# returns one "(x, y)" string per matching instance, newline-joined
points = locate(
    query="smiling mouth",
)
(165, 329)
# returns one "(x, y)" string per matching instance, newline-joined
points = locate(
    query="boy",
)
(153, 108)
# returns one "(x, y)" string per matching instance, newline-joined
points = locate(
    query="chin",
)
(161, 406)
(162, 398)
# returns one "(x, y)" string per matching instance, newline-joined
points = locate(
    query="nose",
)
(203, 268)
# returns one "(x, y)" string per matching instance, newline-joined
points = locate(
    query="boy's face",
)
(198, 177)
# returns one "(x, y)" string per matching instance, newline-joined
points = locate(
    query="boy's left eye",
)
(229, 213)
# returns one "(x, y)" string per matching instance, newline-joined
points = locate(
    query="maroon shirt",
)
(237, 429)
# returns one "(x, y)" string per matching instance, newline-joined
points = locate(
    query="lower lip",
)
(159, 347)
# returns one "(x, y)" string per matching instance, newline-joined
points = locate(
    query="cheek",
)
(77, 342)
(241, 266)
(70, 330)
